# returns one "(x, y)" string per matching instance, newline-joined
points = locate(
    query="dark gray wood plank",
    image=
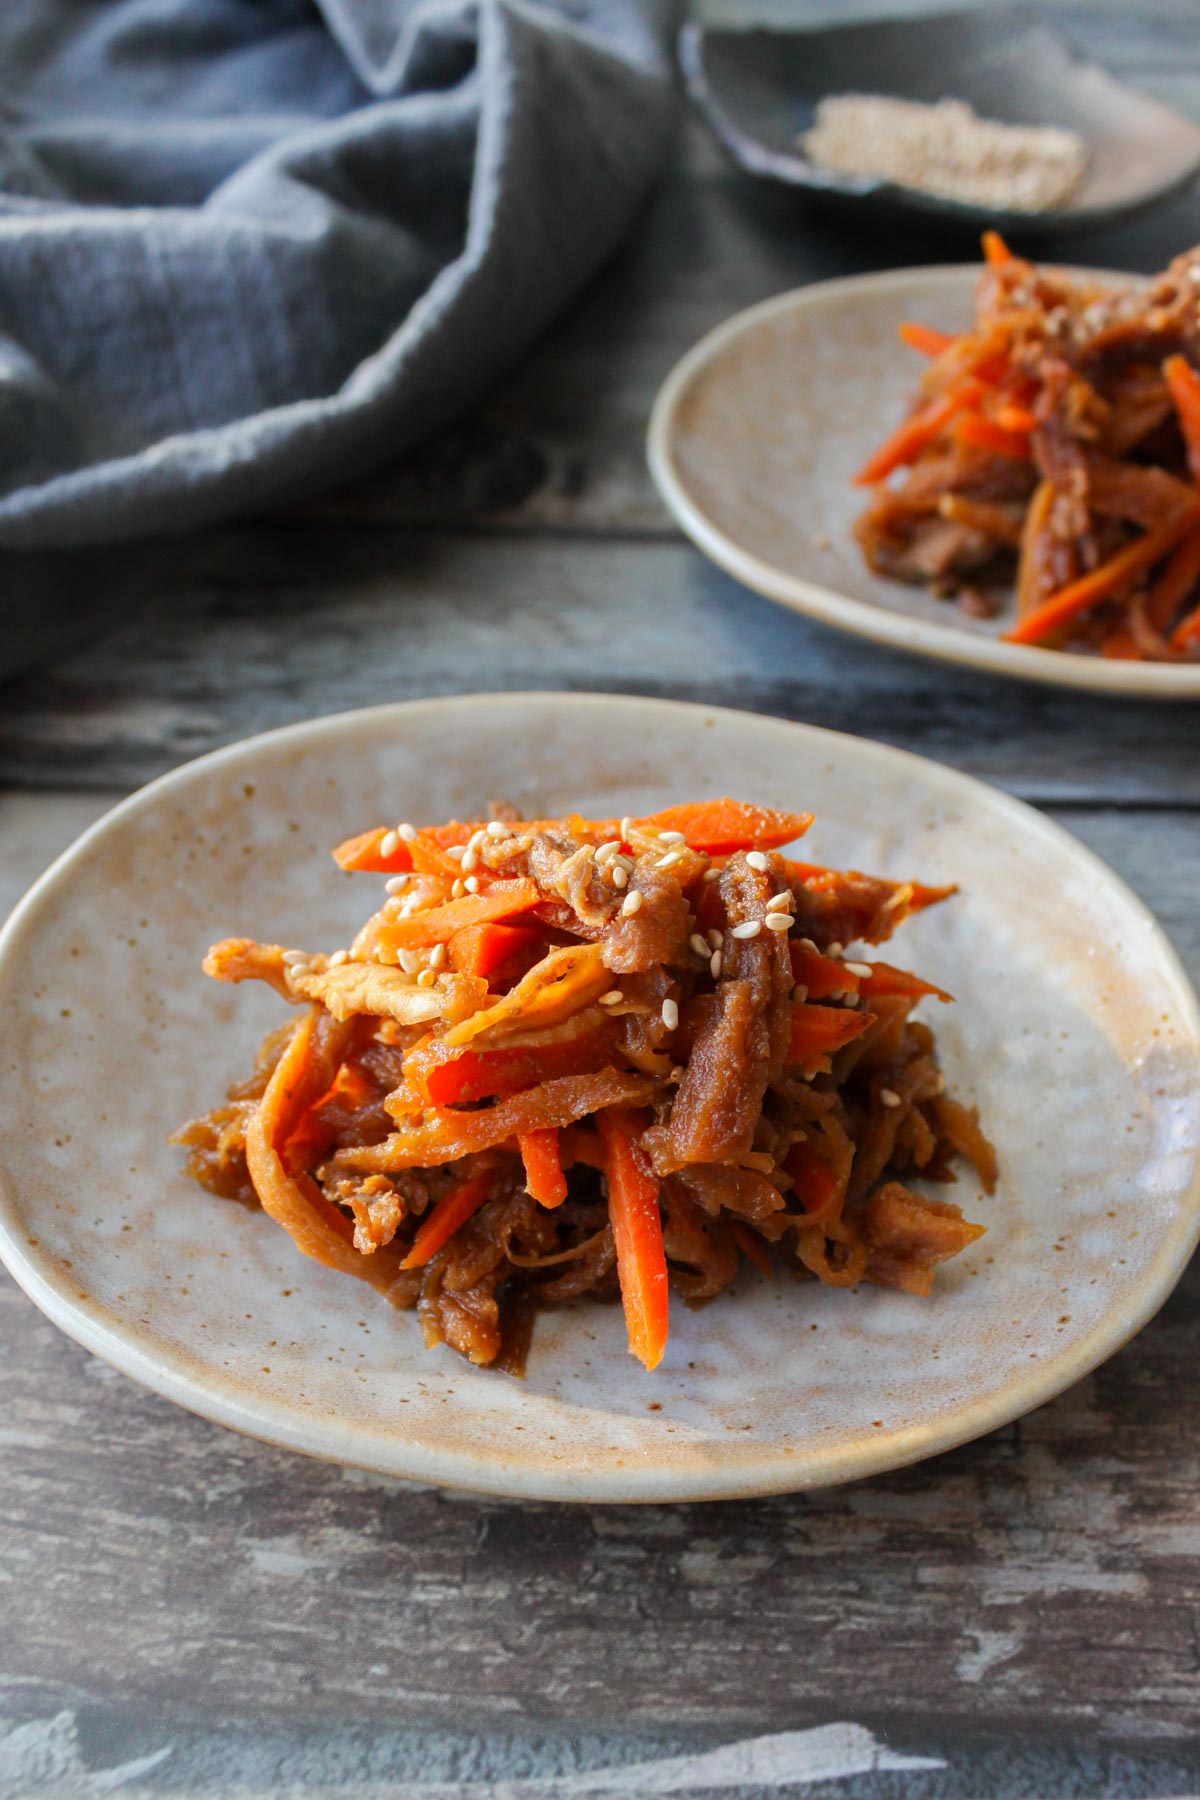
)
(257, 627)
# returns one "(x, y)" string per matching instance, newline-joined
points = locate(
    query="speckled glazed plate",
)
(754, 440)
(1075, 1031)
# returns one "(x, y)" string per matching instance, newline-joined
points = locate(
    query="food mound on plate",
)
(1057, 443)
(579, 1057)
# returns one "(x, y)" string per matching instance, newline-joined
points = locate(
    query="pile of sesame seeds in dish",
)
(1050, 462)
(610, 1058)
(945, 148)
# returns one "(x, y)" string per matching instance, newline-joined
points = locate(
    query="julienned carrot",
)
(544, 1178)
(884, 979)
(1015, 418)
(1183, 385)
(637, 1234)
(1103, 582)
(918, 431)
(818, 1031)
(366, 851)
(491, 949)
(924, 338)
(996, 251)
(819, 975)
(721, 826)
(451, 1211)
(560, 985)
(988, 434)
(1176, 582)
(1187, 633)
(752, 1246)
(445, 1077)
(438, 924)
(1121, 646)
(815, 1183)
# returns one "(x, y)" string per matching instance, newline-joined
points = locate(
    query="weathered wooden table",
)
(196, 1613)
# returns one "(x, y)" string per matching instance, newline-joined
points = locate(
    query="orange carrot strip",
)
(1176, 582)
(438, 924)
(451, 1211)
(1183, 385)
(1015, 418)
(491, 950)
(815, 1183)
(917, 432)
(544, 1178)
(365, 853)
(752, 1246)
(1102, 582)
(986, 434)
(637, 1233)
(1187, 632)
(722, 826)
(884, 979)
(1122, 646)
(996, 251)
(820, 1030)
(819, 975)
(924, 338)
(446, 1077)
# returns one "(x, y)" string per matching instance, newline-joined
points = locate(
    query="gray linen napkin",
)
(250, 247)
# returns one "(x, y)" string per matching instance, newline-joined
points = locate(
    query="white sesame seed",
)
(864, 971)
(389, 843)
(612, 998)
(778, 921)
(889, 1096)
(672, 837)
(778, 902)
(410, 962)
(758, 860)
(291, 957)
(458, 889)
(800, 993)
(457, 851)
(807, 944)
(670, 1014)
(437, 956)
(834, 949)
(338, 958)
(471, 884)
(407, 832)
(620, 875)
(749, 928)
(498, 830)
(677, 1073)
(396, 884)
(626, 828)
(426, 978)
(299, 969)
(630, 904)
(714, 964)
(607, 850)
(470, 858)
(477, 840)
(699, 945)
(669, 860)
(716, 938)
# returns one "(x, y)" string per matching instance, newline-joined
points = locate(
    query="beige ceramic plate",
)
(754, 441)
(1075, 1031)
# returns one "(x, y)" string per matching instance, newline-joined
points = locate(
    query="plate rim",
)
(219, 1398)
(864, 618)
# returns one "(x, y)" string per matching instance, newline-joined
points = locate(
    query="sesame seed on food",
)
(407, 832)
(670, 860)
(457, 851)
(670, 1014)
(620, 875)
(389, 843)
(672, 837)
(299, 969)
(612, 998)
(472, 884)
(889, 1097)
(749, 928)
(292, 957)
(437, 956)
(396, 884)
(338, 958)
(778, 921)
(498, 830)
(632, 903)
(758, 860)
(426, 978)
(715, 962)
(700, 945)
(864, 971)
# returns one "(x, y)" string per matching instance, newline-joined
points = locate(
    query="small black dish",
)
(759, 91)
